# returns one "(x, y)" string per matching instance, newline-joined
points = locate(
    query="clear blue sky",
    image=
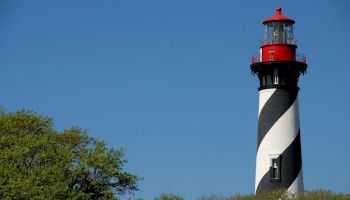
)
(169, 81)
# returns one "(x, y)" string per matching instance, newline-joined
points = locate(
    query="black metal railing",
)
(300, 57)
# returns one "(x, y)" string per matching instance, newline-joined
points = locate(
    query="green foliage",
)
(38, 162)
(323, 194)
(169, 197)
(213, 197)
(282, 195)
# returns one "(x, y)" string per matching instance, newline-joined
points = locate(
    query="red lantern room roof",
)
(279, 17)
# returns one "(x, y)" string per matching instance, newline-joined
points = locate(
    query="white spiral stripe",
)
(298, 184)
(264, 96)
(279, 137)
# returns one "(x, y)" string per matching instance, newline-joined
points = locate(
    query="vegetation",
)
(276, 195)
(39, 162)
(169, 197)
(282, 195)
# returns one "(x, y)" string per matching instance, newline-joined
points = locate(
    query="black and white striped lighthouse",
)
(278, 66)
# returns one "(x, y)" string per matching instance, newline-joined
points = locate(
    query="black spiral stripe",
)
(280, 101)
(291, 165)
(278, 105)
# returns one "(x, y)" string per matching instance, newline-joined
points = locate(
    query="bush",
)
(282, 195)
(169, 197)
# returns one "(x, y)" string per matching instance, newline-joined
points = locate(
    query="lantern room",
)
(278, 29)
(278, 43)
(278, 64)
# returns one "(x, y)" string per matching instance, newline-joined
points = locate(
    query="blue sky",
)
(169, 81)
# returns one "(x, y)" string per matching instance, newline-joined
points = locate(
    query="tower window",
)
(268, 79)
(275, 76)
(271, 55)
(275, 169)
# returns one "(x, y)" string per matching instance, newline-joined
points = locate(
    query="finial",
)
(279, 10)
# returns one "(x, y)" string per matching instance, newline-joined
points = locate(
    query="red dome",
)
(279, 17)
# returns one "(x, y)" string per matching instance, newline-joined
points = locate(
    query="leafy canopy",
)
(39, 162)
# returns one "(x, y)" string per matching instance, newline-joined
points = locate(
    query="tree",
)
(39, 162)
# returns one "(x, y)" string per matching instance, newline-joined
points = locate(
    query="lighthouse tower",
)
(278, 66)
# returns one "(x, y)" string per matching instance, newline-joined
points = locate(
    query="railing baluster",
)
(300, 57)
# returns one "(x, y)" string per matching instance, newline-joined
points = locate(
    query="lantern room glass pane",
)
(279, 32)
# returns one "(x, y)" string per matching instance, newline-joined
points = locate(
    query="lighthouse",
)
(278, 67)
